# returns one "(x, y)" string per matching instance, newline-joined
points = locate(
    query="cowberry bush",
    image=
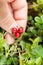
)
(28, 48)
(38, 6)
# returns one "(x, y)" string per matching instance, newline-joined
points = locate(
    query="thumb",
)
(8, 23)
(10, 40)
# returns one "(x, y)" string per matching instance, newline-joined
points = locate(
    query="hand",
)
(12, 14)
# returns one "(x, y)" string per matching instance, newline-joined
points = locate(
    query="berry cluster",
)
(17, 32)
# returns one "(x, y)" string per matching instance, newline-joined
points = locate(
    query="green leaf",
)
(1, 36)
(25, 46)
(2, 42)
(39, 61)
(3, 60)
(12, 60)
(30, 18)
(25, 56)
(9, 61)
(38, 51)
(40, 1)
(38, 20)
(41, 18)
(35, 42)
(31, 62)
(15, 60)
(20, 59)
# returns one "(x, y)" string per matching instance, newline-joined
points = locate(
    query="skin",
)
(12, 12)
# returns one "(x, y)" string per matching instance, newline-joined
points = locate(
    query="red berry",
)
(14, 30)
(17, 35)
(20, 30)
